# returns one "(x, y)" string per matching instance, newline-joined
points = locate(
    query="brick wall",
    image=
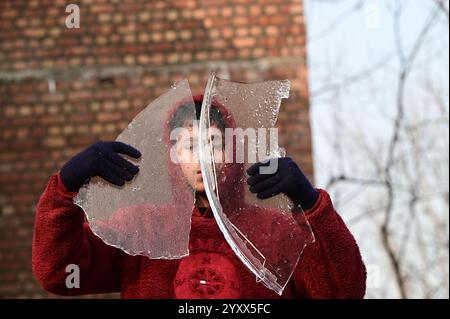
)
(62, 89)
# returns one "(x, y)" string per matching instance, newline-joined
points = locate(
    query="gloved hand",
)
(100, 159)
(288, 179)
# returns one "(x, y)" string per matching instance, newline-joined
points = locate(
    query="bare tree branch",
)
(442, 7)
(406, 65)
(402, 180)
(353, 79)
(337, 21)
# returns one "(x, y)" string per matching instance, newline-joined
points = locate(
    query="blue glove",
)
(100, 159)
(288, 179)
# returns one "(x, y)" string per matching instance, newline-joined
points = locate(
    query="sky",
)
(353, 80)
(361, 41)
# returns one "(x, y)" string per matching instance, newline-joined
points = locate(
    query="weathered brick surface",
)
(62, 89)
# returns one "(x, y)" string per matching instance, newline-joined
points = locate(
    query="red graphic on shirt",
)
(206, 275)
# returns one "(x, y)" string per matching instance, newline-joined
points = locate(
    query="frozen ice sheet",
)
(264, 234)
(150, 215)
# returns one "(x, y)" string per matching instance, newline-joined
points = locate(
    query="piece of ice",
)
(150, 215)
(264, 234)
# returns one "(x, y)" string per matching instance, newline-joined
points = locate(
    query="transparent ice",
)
(150, 215)
(265, 234)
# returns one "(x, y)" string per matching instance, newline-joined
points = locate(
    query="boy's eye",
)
(190, 147)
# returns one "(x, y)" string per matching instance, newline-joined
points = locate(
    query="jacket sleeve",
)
(63, 238)
(332, 266)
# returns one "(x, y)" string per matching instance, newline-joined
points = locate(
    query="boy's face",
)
(188, 157)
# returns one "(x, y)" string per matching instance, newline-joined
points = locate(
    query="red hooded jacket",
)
(331, 267)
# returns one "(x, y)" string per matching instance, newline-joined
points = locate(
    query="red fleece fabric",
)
(331, 267)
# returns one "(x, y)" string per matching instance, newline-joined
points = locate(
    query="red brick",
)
(244, 42)
(54, 142)
(108, 117)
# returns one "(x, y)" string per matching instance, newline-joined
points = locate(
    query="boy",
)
(331, 267)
